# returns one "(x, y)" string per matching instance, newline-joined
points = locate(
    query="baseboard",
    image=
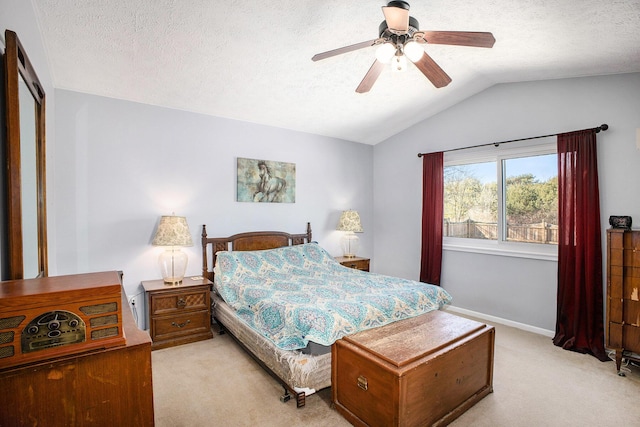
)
(494, 319)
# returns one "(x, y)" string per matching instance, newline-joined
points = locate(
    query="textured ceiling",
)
(251, 60)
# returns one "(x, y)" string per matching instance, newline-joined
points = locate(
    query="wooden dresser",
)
(178, 314)
(623, 293)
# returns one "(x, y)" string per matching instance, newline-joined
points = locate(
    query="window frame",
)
(497, 154)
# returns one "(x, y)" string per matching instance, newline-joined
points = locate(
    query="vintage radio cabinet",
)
(56, 316)
(101, 387)
(422, 371)
(623, 296)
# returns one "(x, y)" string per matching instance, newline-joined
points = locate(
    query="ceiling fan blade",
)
(432, 71)
(345, 49)
(371, 77)
(458, 38)
(397, 17)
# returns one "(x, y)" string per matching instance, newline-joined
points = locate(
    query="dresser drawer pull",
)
(180, 325)
(181, 303)
(363, 383)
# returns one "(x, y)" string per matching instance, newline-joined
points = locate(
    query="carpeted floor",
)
(215, 383)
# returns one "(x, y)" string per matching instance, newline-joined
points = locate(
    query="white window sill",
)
(508, 249)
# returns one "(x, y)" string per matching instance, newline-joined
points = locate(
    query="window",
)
(505, 199)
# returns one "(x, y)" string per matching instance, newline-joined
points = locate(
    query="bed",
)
(268, 291)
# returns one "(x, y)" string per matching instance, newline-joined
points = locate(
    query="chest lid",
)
(405, 341)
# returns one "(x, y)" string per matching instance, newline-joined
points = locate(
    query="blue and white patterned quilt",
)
(296, 294)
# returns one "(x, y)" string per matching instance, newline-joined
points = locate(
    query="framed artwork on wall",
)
(266, 181)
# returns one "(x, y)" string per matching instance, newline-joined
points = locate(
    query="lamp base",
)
(350, 243)
(173, 264)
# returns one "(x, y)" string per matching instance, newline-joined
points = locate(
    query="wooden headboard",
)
(251, 241)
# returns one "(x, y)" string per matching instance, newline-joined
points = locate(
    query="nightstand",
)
(178, 314)
(355, 262)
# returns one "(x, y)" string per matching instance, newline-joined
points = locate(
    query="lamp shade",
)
(350, 221)
(385, 52)
(413, 51)
(172, 231)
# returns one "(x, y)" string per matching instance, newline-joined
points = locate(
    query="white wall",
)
(520, 290)
(121, 165)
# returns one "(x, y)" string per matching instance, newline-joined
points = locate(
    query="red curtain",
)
(579, 321)
(432, 212)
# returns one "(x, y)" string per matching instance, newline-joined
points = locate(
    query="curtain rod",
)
(602, 127)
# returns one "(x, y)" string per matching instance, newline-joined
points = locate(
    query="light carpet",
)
(215, 383)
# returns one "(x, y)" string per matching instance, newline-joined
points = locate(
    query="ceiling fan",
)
(400, 37)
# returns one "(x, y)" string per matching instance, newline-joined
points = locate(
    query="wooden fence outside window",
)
(529, 233)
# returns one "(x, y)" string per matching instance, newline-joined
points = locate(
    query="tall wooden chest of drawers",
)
(178, 314)
(623, 293)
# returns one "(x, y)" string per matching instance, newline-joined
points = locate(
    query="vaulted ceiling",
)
(251, 60)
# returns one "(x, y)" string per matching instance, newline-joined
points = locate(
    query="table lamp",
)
(173, 232)
(350, 223)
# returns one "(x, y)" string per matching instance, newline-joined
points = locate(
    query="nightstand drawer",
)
(189, 323)
(174, 302)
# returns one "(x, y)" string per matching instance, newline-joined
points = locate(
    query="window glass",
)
(531, 202)
(508, 197)
(471, 201)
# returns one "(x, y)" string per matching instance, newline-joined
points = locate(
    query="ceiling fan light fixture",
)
(413, 50)
(385, 52)
(399, 63)
(400, 37)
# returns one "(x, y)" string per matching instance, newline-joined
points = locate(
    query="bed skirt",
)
(300, 372)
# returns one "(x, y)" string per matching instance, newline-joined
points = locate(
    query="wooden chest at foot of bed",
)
(422, 371)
